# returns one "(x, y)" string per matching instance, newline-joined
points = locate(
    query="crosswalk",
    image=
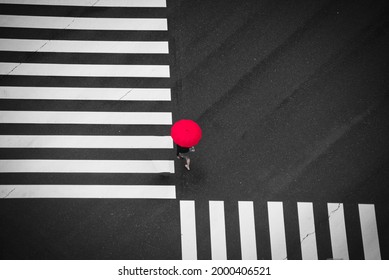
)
(276, 231)
(85, 99)
(43, 99)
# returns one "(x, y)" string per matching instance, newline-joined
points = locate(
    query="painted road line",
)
(65, 46)
(84, 23)
(69, 93)
(307, 231)
(218, 230)
(371, 246)
(247, 230)
(86, 166)
(90, 3)
(84, 70)
(88, 191)
(188, 230)
(73, 117)
(86, 141)
(277, 230)
(337, 231)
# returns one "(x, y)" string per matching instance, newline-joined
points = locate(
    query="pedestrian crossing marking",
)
(218, 230)
(90, 3)
(71, 46)
(26, 71)
(86, 141)
(338, 231)
(369, 230)
(72, 93)
(188, 230)
(247, 230)
(277, 233)
(307, 231)
(277, 230)
(81, 117)
(85, 166)
(88, 191)
(84, 23)
(84, 70)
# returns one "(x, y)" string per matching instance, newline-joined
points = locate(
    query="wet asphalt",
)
(292, 97)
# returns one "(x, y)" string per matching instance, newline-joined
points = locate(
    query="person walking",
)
(185, 134)
(183, 153)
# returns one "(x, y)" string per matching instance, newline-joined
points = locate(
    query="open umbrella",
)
(186, 133)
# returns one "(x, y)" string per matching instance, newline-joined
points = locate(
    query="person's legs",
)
(187, 159)
(187, 163)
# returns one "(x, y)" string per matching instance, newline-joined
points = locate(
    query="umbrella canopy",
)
(186, 133)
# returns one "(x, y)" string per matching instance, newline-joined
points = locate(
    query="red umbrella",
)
(186, 133)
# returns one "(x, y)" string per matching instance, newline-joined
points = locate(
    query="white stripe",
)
(277, 230)
(188, 230)
(87, 191)
(57, 117)
(247, 230)
(371, 246)
(94, 3)
(307, 231)
(86, 166)
(24, 45)
(68, 93)
(218, 230)
(84, 23)
(84, 70)
(337, 231)
(86, 141)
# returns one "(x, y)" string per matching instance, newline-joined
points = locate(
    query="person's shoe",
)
(187, 166)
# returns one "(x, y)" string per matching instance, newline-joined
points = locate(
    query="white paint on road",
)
(86, 141)
(371, 246)
(218, 230)
(69, 46)
(90, 3)
(85, 166)
(188, 230)
(88, 191)
(84, 70)
(247, 230)
(307, 231)
(71, 93)
(84, 23)
(277, 230)
(75, 117)
(337, 231)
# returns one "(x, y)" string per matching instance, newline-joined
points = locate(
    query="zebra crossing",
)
(43, 99)
(84, 106)
(277, 233)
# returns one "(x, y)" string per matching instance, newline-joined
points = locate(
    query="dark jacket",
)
(182, 150)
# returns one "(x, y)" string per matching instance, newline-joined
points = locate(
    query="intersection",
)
(291, 99)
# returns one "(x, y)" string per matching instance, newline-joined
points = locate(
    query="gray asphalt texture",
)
(292, 97)
(293, 101)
